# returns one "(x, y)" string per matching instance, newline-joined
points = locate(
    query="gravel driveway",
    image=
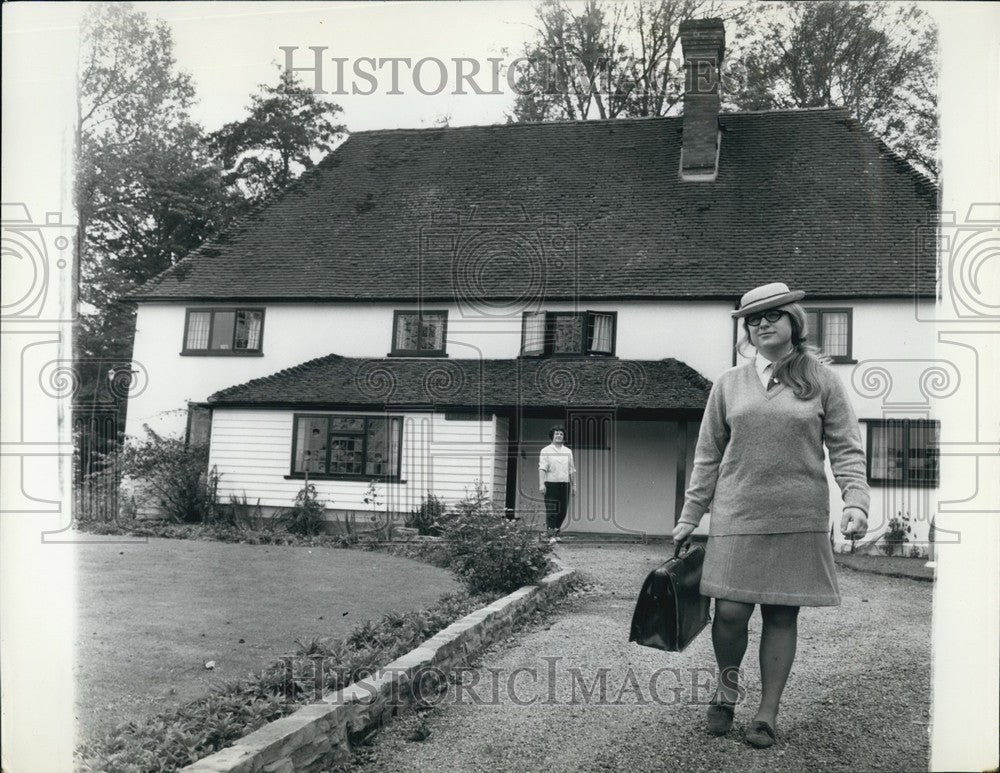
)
(857, 699)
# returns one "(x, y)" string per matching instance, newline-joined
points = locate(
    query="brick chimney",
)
(703, 42)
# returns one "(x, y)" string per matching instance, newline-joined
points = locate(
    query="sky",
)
(227, 64)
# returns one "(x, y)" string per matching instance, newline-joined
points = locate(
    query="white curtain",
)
(253, 319)
(835, 334)
(601, 337)
(198, 326)
(408, 332)
(534, 333)
(432, 332)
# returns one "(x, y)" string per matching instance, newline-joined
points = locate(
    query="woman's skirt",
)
(793, 569)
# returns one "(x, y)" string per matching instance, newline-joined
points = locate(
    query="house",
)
(424, 305)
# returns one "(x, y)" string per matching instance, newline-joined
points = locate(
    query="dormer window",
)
(567, 333)
(419, 333)
(223, 331)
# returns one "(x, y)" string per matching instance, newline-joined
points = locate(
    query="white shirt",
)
(765, 369)
(556, 463)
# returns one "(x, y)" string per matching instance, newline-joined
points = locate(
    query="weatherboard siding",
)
(251, 450)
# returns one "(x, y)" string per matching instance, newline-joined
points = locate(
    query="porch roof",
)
(443, 384)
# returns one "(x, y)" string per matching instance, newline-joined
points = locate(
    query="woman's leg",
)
(551, 507)
(777, 651)
(563, 506)
(729, 639)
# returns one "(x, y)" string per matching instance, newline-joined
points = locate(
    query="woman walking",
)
(759, 464)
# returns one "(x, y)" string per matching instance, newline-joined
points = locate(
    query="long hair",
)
(799, 369)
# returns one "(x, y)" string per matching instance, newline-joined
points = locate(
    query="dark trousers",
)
(556, 504)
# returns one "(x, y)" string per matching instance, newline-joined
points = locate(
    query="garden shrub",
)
(896, 535)
(243, 516)
(175, 474)
(307, 515)
(488, 552)
(426, 519)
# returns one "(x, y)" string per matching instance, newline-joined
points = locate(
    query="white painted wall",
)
(898, 360)
(699, 334)
(252, 450)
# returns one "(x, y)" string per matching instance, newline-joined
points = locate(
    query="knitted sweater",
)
(759, 460)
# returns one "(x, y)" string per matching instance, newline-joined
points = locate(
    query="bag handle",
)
(686, 542)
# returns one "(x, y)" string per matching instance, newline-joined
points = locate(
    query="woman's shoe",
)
(720, 718)
(760, 734)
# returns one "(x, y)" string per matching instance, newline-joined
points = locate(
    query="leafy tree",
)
(878, 60)
(287, 126)
(610, 60)
(146, 189)
(604, 60)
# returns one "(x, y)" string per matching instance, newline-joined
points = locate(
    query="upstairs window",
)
(903, 452)
(568, 333)
(832, 330)
(419, 333)
(349, 447)
(223, 331)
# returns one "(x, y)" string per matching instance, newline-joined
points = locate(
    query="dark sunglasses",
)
(772, 316)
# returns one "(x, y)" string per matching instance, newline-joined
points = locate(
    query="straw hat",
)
(769, 296)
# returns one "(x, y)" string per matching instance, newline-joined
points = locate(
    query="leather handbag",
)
(671, 611)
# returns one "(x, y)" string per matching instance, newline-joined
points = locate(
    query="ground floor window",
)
(344, 446)
(903, 452)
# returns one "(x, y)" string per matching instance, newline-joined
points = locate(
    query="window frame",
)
(905, 481)
(817, 335)
(233, 352)
(442, 352)
(294, 474)
(548, 336)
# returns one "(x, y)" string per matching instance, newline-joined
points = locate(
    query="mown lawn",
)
(149, 615)
(891, 566)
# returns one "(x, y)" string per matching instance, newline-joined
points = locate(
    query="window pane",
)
(887, 452)
(812, 328)
(347, 424)
(534, 333)
(395, 439)
(198, 324)
(923, 453)
(222, 329)
(310, 445)
(432, 332)
(407, 332)
(248, 329)
(346, 454)
(382, 449)
(567, 333)
(835, 334)
(599, 333)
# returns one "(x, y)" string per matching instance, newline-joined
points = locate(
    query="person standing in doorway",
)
(556, 480)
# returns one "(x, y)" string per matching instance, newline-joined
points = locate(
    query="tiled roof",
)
(446, 383)
(590, 209)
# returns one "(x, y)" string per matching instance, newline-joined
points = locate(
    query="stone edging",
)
(316, 735)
